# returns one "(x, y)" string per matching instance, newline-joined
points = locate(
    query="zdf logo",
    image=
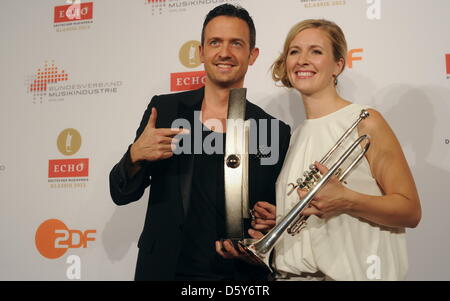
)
(53, 238)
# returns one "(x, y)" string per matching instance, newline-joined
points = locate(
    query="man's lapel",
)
(186, 161)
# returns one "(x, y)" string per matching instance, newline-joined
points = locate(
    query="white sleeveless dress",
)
(342, 247)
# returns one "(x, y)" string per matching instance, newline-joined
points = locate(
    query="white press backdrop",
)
(131, 48)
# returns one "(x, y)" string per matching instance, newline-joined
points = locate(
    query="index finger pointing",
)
(171, 132)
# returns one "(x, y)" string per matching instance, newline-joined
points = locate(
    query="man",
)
(185, 217)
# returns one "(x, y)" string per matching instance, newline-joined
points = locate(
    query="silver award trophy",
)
(236, 166)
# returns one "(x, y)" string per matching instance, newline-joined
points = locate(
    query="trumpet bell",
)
(249, 245)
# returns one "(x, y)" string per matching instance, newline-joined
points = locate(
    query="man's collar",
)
(194, 97)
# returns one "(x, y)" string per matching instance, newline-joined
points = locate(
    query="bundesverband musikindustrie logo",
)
(51, 83)
(162, 7)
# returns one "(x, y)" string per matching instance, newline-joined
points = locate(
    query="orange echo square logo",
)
(68, 168)
(185, 81)
(447, 59)
(68, 13)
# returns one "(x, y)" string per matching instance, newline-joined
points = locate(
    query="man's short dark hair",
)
(230, 10)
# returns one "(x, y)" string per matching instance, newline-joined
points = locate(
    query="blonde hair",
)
(334, 33)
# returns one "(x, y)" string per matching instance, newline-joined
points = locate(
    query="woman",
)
(355, 231)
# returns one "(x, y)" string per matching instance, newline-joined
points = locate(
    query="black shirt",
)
(205, 221)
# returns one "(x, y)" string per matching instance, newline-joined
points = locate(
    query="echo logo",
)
(351, 56)
(53, 238)
(75, 11)
(69, 142)
(184, 81)
(189, 54)
(68, 168)
(447, 61)
(374, 10)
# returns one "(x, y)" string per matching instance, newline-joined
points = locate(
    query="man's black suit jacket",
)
(170, 179)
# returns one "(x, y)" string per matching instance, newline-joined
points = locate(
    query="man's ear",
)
(253, 56)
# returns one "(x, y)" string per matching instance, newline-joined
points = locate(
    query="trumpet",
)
(313, 182)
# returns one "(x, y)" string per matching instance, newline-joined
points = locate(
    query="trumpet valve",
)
(297, 227)
(364, 114)
(338, 172)
(293, 186)
(317, 177)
